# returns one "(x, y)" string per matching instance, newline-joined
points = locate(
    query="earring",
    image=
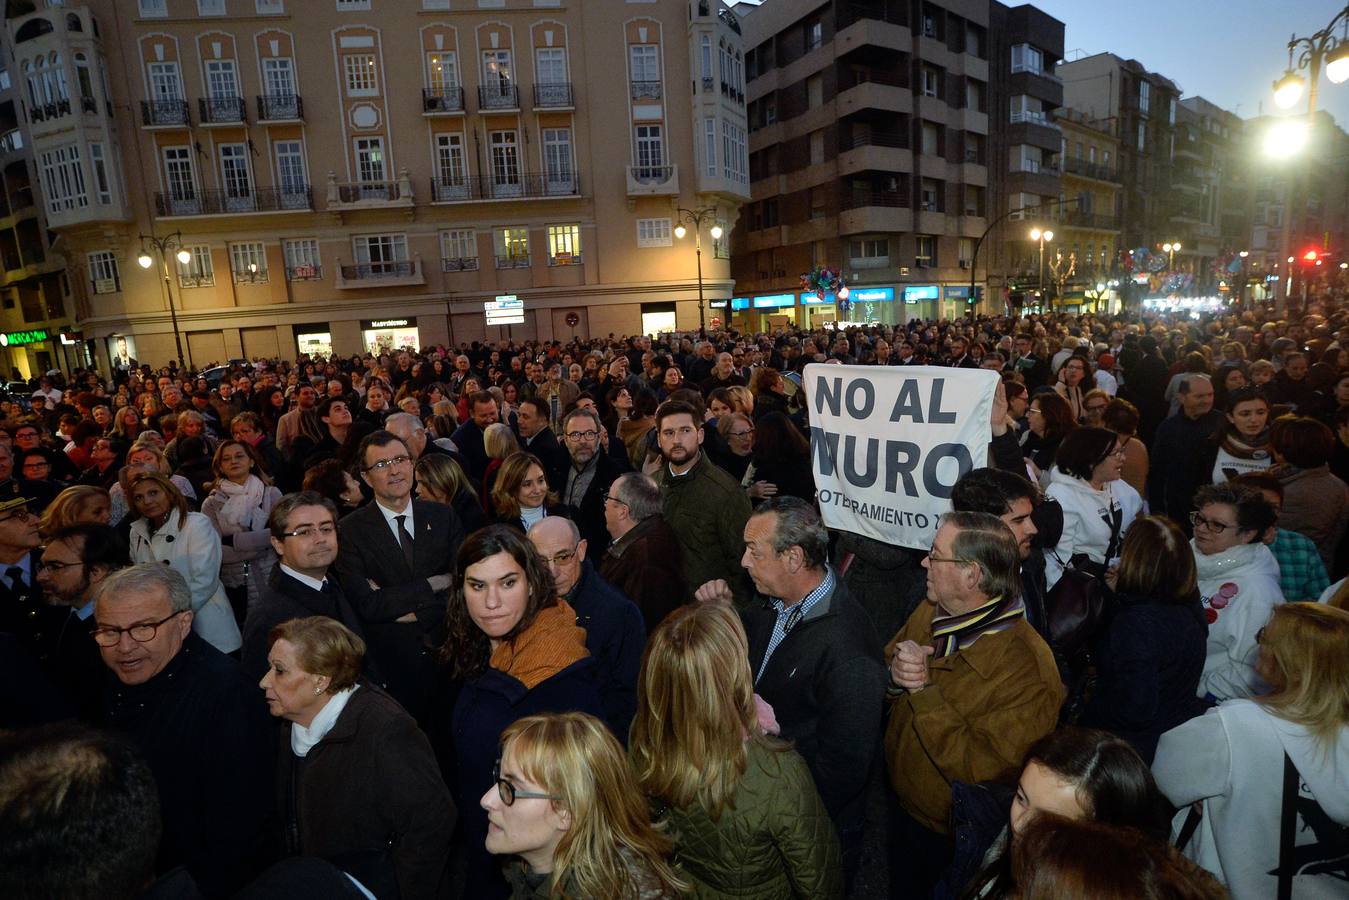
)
(317, 691)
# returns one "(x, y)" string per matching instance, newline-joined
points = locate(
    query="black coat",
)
(826, 683)
(1175, 468)
(553, 455)
(647, 566)
(589, 512)
(615, 637)
(285, 598)
(371, 783)
(204, 730)
(370, 552)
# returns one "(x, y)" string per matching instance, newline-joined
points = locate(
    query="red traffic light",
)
(1310, 256)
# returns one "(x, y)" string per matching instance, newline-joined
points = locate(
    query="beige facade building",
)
(1087, 238)
(352, 175)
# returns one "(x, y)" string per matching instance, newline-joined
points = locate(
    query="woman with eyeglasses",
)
(1048, 420)
(738, 430)
(165, 532)
(240, 501)
(514, 648)
(742, 806)
(1238, 584)
(1098, 507)
(1094, 403)
(521, 495)
(357, 783)
(567, 813)
(1069, 386)
(1270, 772)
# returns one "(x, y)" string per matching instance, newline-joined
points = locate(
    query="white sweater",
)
(1087, 519)
(1232, 760)
(1240, 588)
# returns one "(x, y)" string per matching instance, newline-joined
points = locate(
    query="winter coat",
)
(1088, 520)
(369, 787)
(527, 886)
(707, 510)
(773, 841)
(192, 547)
(1240, 588)
(1231, 760)
(250, 559)
(1177, 459)
(1148, 660)
(1316, 504)
(648, 567)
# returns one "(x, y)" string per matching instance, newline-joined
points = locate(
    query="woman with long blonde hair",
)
(1240, 760)
(742, 805)
(565, 804)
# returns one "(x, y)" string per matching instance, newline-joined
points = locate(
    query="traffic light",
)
(1310, 256)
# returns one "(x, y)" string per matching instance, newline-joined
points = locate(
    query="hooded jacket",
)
(1240, 588)
(1231, 760)
(1087, 520)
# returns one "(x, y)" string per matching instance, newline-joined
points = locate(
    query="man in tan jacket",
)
(972, 687)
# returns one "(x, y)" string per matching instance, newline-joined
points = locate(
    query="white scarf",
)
(302, 739)
(242, 510)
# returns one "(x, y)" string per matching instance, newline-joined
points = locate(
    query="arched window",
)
(73, 23)
(31, 29)
(60, 89)
(85, 79)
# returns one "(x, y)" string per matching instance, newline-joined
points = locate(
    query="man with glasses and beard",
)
(589, 477)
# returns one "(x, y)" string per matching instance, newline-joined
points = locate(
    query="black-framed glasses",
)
(143, 632)
(610, 498)
(383, 464)
(582, 435)
(509, 793)
(1209, 524)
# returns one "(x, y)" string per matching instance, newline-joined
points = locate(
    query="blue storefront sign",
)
(772, 301)
(739, 303)
(920, 292)
(812, 299)
(871, 295)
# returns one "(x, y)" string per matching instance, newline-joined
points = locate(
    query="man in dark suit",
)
(482, 410)
(535, 436)
(393, 563)
(644, 561)
(589, 476)
(304, 536)
(960, 355)
(21, 603)
(816, 657)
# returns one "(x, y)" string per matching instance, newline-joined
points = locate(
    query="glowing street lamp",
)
(1037, 234)
(163, 246)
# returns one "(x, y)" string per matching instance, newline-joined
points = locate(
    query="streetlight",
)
(1042, 236)
(1171, 249)
(164, 246)
(1323, 50)
(696, 217)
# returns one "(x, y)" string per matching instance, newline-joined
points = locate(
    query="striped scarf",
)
(953, 633)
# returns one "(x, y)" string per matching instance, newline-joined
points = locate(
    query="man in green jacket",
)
(706, 508)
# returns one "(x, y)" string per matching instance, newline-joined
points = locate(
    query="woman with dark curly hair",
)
(516, 649)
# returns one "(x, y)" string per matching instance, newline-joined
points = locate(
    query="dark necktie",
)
(404, 538)
(15, 576)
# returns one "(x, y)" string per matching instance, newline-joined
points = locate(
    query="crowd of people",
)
(535, 619)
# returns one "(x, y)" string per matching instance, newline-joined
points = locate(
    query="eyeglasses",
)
(1208, 524)
(582, 435)
(561, 558)
(110, 636)
(57, 566)
(508, 792)
(933, 557)
(1095, 407)
(385, 463)
(325, 530)
(610, 498)
(747, 431)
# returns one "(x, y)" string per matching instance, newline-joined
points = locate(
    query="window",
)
(925, 251)
(385, 254)
(197, 271)
(931, 134)
(352, 4)
(234, 177)
(966, 252)
(63, 179)
(1171, 111)
(222, 81)
(650, 152)
(1026, 58)
(498, 75)
(644, 62)
(154, 8)
(278, 79)
(564, 245)
(370, 160)
(710, 145)
(929, 25)
(705, 60)
(103, 272)
(558, 168)
(974, 94)
(442, 72)
(931, 81)
(814, 35)
(1091, 155)
(931, 190)
(85, 81)
(512, 247)
(869, 253)
(180, 183)
(734, 152)
(302, 259)
(101, 181)
(165, 81)
(248, 261)
(1144, 96)
(210, 7)
(459, 250)
(451, 167)
(1142, 135)
(360, 74)
(654, 233)
(291, 177)
(974, 200)
(504, 157)
(550, 65)
(270, 7)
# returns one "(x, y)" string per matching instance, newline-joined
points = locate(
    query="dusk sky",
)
(1229, 53)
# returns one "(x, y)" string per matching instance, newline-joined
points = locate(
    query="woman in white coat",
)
(1238, 584)
(240, 501)
(166, 532)
(1237, 760)
(1098, 506)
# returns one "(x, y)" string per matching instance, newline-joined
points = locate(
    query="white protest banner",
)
(888, 442)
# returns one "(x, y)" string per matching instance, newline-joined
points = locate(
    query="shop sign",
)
(718, 304)
(871, 295)
(773, 301)
(374, 324)
(506, 309)
(922, 292)
(20, 338)
(739, 303)
(810, 298)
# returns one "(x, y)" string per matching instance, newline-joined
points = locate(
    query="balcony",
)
(451, 190)
(89, 105)
(445, 100)
(1075, 219)
(864, 210)
(371, 194)
(498, 97)
(280, 108)
(653, 181)
(866, 150)
(389, 273)
(11, 142)
(1091, 170)
(645, 90)
(506, 186)
(49, 111)
(304, 272)
(196, 281)
(513, 261)
(231, 203)
(566, 259)
(459, 264)
(222, 110)
(165, 113)
(553, 96)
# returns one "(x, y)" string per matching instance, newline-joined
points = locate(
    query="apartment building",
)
(35, 330)
(342, 176)
(1086, 225)
(1210, 194)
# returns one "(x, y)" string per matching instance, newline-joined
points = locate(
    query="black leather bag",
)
(1078, 606)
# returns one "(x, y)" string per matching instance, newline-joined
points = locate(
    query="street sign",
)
(506, 309)
(716, 322)
(573, 320)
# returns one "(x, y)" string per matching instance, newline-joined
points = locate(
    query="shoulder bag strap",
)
(1287, 830)
(1191, 825)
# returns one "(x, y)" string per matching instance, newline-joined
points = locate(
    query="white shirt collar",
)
(393, 525)
(302, 739)
(305, 580)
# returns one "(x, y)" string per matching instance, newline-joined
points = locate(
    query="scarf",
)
(551, 643)
(953, 633)
(242, 510)
(1242, 449)
(302, 739)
